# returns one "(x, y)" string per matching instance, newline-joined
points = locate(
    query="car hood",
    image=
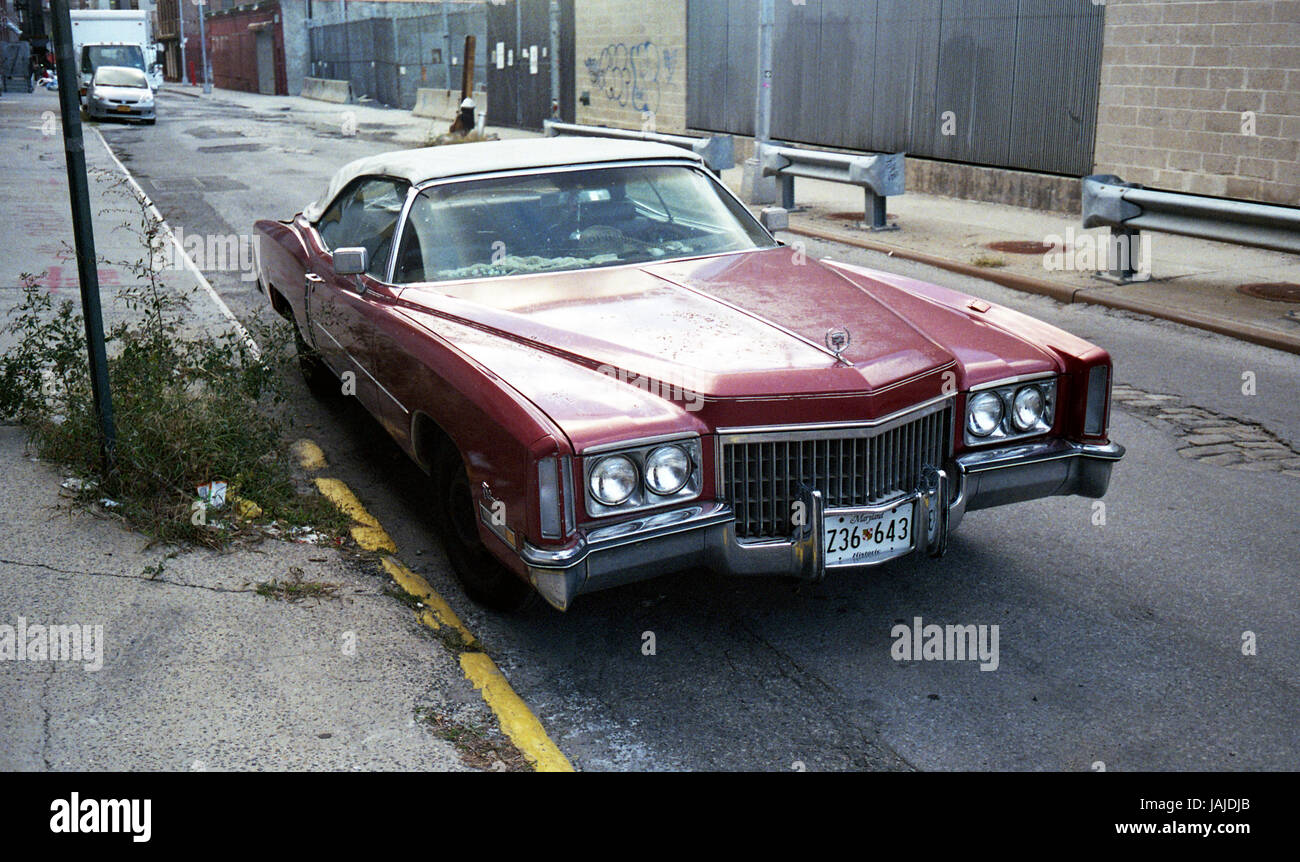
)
(124, 94)
(729, 326)
(726, 341)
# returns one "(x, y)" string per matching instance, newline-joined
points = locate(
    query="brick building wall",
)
(631, 60)
(1203, 96)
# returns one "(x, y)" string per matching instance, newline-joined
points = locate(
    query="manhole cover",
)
(1278, 291)
(1019, 246)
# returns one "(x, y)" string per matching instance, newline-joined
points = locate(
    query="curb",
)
(517, 721)
(1069, 295)
(180, 92)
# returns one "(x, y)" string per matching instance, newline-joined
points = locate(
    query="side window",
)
(365, 215)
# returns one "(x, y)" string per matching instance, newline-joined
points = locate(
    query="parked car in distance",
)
(120, 92)
(609, 370)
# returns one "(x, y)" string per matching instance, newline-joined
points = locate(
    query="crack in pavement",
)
(878, 747)
(45, 722)
(152, 580)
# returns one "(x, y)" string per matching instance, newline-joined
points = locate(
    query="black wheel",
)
(320, 379)
(483, 577)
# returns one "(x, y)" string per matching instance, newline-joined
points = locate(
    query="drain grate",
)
(1020, 246)
(1277, 291)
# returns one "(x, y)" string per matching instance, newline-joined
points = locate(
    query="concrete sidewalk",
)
(370, 120)
(190, 668)
(197, 671)
(1194, 281)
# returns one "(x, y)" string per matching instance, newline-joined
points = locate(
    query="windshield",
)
(112, 55)
(116, 76)
(567, 220)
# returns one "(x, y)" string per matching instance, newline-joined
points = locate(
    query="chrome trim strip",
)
(628, 532)
(639, 442)
(391, 271)
(1034, 453)
(1012, 381)
(364, 371)
(914, 411)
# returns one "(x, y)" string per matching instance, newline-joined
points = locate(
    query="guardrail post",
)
(874, 214)
(1123, 251)
(787, 192)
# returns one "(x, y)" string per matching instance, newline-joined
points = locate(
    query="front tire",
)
(483, 577)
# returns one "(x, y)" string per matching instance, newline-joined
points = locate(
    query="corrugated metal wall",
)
(388, 59)
(1019, 77)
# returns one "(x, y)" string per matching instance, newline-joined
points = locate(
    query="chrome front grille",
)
(761, 472)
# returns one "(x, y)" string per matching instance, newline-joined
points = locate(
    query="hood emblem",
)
(837, 340)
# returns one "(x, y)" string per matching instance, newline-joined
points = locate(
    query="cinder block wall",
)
(1178, 79)
(631, 59)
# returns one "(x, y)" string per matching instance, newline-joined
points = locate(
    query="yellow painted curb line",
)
(309, 455)
(435, 606)
(366, 530)
(517, 720)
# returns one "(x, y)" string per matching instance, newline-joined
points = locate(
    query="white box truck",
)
(113, 37)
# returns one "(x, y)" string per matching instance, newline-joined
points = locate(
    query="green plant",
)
(190, 407)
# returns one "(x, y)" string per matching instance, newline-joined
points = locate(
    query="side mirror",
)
(350, 261)
(774, 219)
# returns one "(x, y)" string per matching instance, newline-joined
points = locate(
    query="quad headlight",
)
(613, 480)
(639, 477)
(667, 470)
(984, 414)
(1011, 411)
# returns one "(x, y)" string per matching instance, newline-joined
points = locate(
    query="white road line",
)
(203, 281)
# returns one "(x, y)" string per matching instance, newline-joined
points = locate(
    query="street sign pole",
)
(180, 18)
(83, 232)
(203, 40)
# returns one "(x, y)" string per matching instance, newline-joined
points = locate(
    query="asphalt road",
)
(1120, 643)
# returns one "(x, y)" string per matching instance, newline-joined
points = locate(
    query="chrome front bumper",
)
(703, 534)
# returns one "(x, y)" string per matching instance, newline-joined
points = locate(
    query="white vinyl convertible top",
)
(433, 163)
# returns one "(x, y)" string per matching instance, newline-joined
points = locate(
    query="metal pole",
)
(555, 59)
(446, 46)
(756, 188)
(83, 232)
(180, 15)
(763, 108)
(203, 42)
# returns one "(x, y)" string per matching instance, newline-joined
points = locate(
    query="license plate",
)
(125, 109)
(865, 537)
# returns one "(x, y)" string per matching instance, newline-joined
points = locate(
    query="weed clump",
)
(190, 408)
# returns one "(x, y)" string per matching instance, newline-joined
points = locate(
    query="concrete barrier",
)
(326, 90)
(443, 104)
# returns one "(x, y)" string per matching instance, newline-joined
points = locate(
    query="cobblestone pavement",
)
(1213, 437)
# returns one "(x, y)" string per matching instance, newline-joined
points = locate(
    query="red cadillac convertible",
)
(609, 369)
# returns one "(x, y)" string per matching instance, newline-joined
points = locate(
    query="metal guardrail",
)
(717, 151)
(881, 175)
(1128, 208)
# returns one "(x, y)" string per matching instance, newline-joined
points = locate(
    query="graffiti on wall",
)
(633, 76)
